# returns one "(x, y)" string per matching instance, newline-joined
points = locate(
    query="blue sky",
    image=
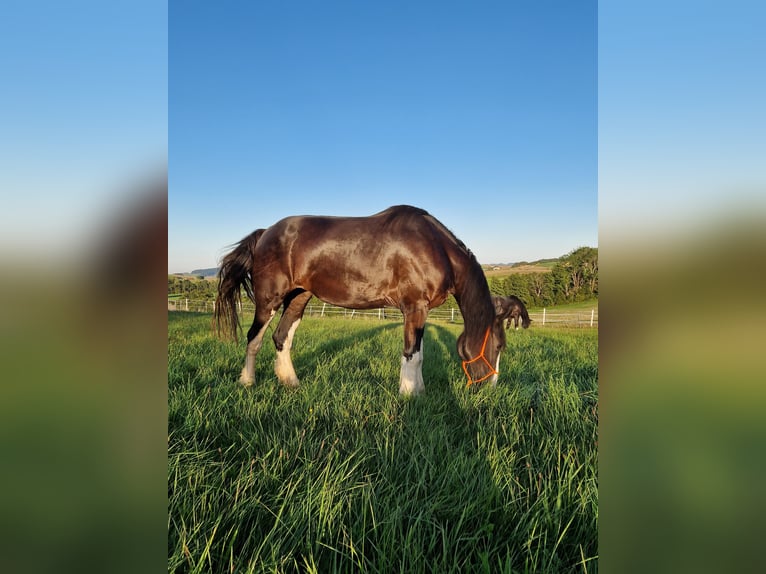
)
(682, 119)
(483, 114)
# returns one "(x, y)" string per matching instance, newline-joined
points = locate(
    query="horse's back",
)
(360, 261)
(400, 222)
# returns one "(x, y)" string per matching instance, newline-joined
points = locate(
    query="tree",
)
(577, 274)
(539, 288)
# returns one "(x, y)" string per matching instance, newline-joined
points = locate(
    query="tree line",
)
(197, 288)
(573, 278)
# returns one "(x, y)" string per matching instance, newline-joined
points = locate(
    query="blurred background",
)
(682, 208)
(682, 181)
(83, 174)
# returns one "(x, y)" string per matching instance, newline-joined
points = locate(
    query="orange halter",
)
(492, 370)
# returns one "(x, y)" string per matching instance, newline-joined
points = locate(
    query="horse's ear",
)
(498, 306)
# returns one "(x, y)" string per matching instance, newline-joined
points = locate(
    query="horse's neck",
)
(475, 303)
(470, 285)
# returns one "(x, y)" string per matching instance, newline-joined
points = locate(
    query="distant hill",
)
(541, 262)
(209, 272)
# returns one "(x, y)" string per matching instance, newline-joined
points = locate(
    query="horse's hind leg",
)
(263, 316)
(295, 304)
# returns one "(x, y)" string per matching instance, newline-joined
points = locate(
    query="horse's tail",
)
(525, 320)
(234, 274)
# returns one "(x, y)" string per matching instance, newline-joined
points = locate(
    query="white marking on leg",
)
(283, 364)
(493, 379)
(247, 377)
(411, 378)
(419, 373)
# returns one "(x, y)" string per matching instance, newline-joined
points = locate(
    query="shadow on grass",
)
(446, 500)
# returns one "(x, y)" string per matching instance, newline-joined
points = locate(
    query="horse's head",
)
(481, 355)
(501, 304)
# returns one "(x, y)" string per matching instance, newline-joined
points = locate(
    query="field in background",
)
(344, 475)
(505, 270)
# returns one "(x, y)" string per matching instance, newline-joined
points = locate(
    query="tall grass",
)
(343, 475)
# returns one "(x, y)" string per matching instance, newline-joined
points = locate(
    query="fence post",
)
(187, 303)
(543, 315)
(323, 306)
(592, 312)
(453, 314)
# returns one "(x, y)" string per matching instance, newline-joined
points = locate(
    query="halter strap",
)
(492, 370)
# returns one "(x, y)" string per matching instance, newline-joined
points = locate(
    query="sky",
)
(483, 114)
(682, 121)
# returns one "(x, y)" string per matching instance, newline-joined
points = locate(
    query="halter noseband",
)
(492, 370)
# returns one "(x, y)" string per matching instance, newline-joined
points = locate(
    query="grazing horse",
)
(511, 308)
(401, 257)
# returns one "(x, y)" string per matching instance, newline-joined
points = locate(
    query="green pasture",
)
(343, 475)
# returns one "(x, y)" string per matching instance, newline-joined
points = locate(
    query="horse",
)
(511, 308)
(401, 257)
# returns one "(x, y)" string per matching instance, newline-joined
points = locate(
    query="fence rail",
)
(585, 318)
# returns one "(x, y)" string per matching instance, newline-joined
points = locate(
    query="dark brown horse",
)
(401, 257)
(511, 308)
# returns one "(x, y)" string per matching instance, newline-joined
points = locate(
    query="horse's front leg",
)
(411, 377)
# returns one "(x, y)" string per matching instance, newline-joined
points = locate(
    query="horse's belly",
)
(353, 298)
(346, 281)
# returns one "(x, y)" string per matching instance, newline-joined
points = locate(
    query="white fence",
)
(586, 318)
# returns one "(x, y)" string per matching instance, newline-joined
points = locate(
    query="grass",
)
(343, 475)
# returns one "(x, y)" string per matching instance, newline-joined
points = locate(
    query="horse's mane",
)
(474, 300)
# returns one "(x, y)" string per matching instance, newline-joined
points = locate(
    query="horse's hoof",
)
(246, 382)
(291, 383)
